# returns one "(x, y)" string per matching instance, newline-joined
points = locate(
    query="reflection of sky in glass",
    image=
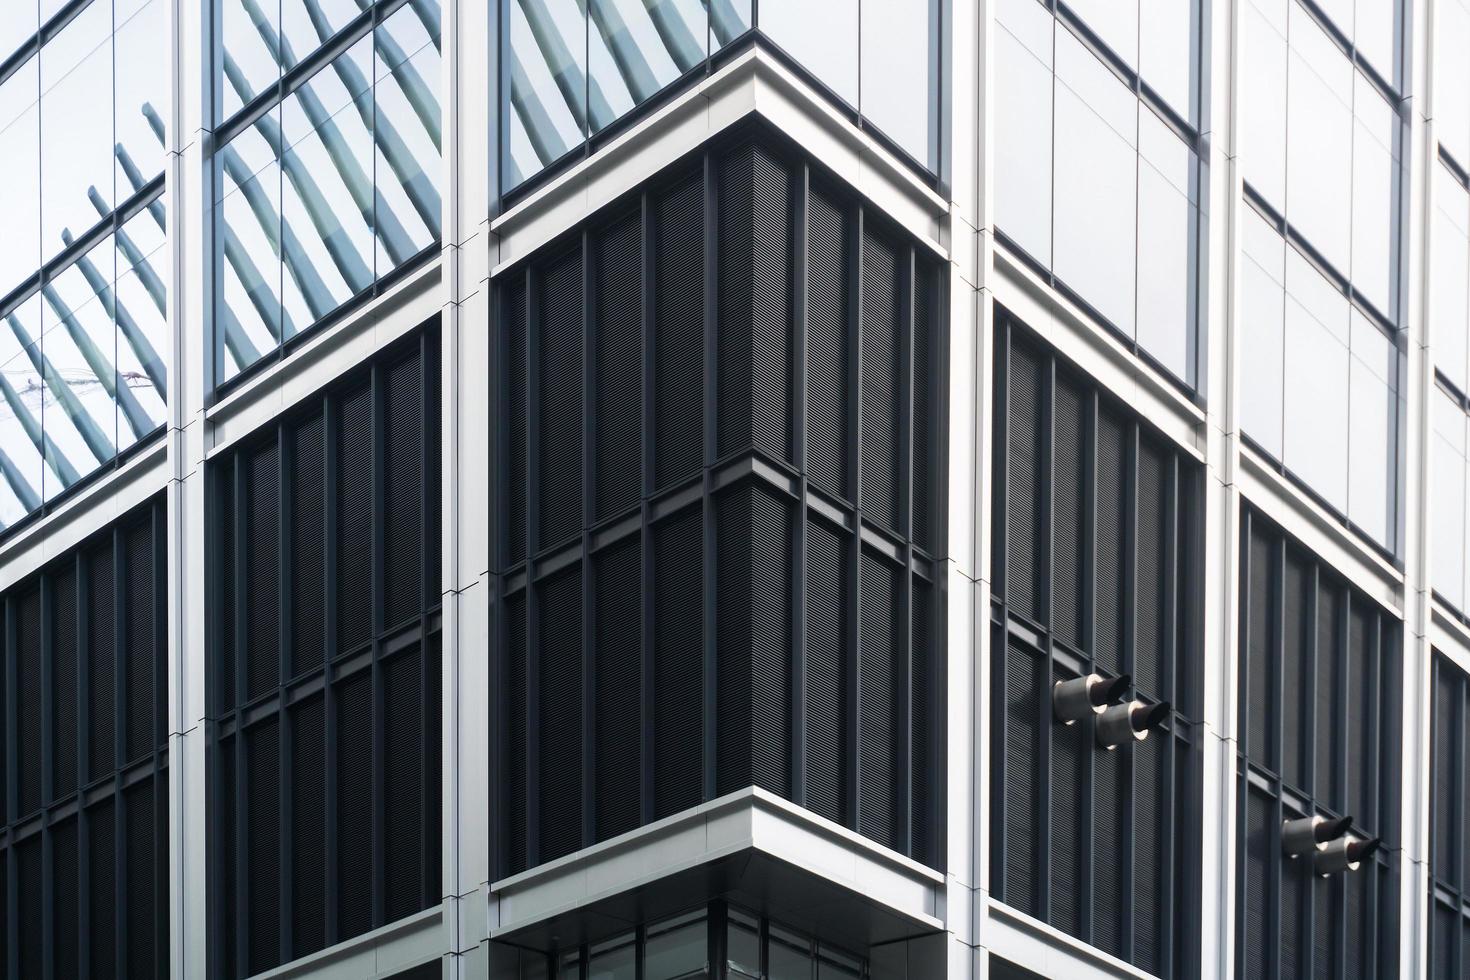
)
(83, 358)
(335, 186)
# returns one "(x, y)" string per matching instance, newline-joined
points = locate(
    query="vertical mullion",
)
(1000, 543)
(379, 565)
(1308, 724)
(1130, 642)
(590, 327)
(533, 536)
(46, 598)
(1047, 464)
(1242, 768)
(855, 560)
(1171, 654)
(711, 451)
(119, 743)
(800, 282)
(285, 463)
(646, 718)
(1089, 644)
(84, 863)
(12, 923)
(905, 746)
(241, 627)
(1277, 664)
(331, 445)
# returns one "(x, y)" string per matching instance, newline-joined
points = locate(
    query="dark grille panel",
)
(142, 882)
(828, 343)
(307, 488)
(26, 608)
(618, 638)
(560, 701)
(882, 384)
(619, 369)
(101, 656)
(559, 386)
(333, 829)
(29, 934)
(718, 556)
(1099, 521)
(1449, 822)
(142, 642)
(64, 683)
(678, 665)
(65, 911)
(826, 671)
(679, 328)
(101, 889)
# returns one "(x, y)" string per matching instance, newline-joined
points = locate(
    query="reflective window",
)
(571, 68)
(322, 195)
(1320, 388)
(1452, 79)
(1097, 179)
(82, 347)
(1448, 500)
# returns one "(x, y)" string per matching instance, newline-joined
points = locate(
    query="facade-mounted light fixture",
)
(1129, 722)
(1343, 854)
(1089, 694)
(1307, 834)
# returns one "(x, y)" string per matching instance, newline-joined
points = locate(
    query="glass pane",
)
(1262, 325)
(1095, 183)
(305, 24)
(612, 961)
(18, 21)
(249, 31)
(1262, 139)
(728, 20)
(78, 348)
(1449, 313)
(408, 137)
(1115, 21)
(1375, 198)
(250, 314)
(1373, 453)
(1319, 140)
(1167, 32)
(1023, 129)
(1167, 235)
(548, 84)
(76, 148)
(743, 943)
(22, 440)
(1452, 79)
(142, 298)
(1316, 403)
(900, 44)
(823, 38)
(789, 958)
(20, 177)
(1449, 504)
(142, 97)
(677, 948)
(1377, 36)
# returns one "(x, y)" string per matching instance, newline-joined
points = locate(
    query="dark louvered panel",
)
(517, 419)
(1261, 860)
(619, 366)
(433, 538)
(65, 911)
(1024, 506)
(925, 772)
(1294, 882)
(882, 376)
(737, 299)
(617, 638)
(1328, 744)
(403, 784)
(102, 898)
(679, 331)
(559, 368)
(26, 610)
(1447, 739)
(1071, 750)
(878, 706)
(307, 489)
(64, 682)
(1260, 658)
(1025, 674)
(308, 826)
(355, 520)
(560, 704)
(1296, 667)
(826, 671)
(29, 911)
(1366, 687)
(432, 799)
(515, 704)
(262, 808)
(1326, 895)
(1069, 509)
(678, 663)
(102, 695)
(1463, 792)
(1152, 576)
(1444, 943)
(828, 343)
(143, 641)
(354, 776)
(403, 490)
(735, 715)
(1110, 602)
(263, 571)
(926, 409)
(141, 889)
(1112, 795)
(224, 807)
(1151, 865)
(222, 652)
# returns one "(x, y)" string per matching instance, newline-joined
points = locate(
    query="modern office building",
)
(655, 489)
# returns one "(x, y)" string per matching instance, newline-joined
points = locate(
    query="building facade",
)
(873, 489)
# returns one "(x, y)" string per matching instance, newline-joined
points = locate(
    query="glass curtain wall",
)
(83, 271)
(328, 169)
(1097, 169)
(1321, 144)
(1449, 306)
(572, 68)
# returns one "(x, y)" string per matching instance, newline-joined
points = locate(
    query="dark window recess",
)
(1319, 696)
(1449, 824)
(1098, 571)
(84, 854)
(717, 535)
(324, 667)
